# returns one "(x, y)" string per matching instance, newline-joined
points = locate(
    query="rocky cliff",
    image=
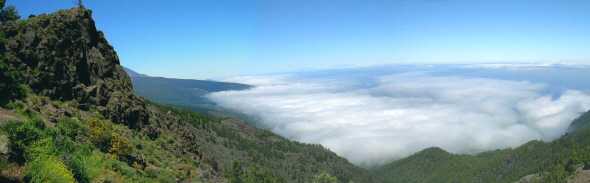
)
(62, 55)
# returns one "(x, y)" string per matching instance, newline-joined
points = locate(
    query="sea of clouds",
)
(375, 115)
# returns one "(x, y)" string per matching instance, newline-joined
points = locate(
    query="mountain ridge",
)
(132, 73)
(80, 101)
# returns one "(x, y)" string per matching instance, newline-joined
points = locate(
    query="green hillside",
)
(556, 161)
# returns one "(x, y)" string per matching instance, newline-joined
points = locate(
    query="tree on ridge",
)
(8, 13)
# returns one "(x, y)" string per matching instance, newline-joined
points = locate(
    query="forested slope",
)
(555, 161)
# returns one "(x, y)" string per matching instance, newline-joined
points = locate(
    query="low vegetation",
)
(94, 150)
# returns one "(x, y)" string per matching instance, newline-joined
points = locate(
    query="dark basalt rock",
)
(62, 55)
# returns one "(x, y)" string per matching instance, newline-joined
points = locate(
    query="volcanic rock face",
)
(63, 56)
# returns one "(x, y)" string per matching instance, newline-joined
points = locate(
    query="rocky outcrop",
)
(62, 55)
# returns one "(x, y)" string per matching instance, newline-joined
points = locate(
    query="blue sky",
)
(212, 39)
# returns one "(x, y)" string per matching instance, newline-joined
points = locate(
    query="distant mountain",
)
(132, 73)
(186, 93)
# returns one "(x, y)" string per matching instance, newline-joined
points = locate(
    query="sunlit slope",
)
(507, 165)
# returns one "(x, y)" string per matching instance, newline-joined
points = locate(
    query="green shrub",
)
(145, 180)
(99, 133)
(165, 178)
(35, 100)
(38, 123)
(150, 160)
(24, 133)
(126, 169)
(30, 114)
(43, 147)
(47, 113)
(15, 105)
(82, 159)
(120, 167)
(119, 145)
(56, 103)
(48, 169)
(22, 22)
(324, 178)
(85, 168)
(151, 172)
(69, 127)
(44, 99)
(50, 131)
(106, 139)
(9, 13)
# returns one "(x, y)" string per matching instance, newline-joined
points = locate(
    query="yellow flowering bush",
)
(106, 139)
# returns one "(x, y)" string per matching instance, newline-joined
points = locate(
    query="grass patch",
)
(56, 103)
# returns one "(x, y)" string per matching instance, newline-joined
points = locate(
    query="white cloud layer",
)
(531, 65)
(373, 120)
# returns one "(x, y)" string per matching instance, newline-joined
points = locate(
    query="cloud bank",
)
(373, 119)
